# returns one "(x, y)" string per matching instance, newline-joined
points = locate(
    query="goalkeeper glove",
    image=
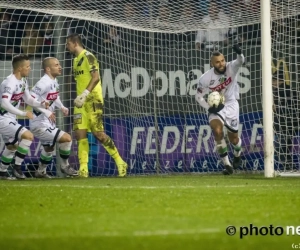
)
(237, 49)
(215, 109)
(79, 101)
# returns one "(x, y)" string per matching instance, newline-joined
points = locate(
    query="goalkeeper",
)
(89, 106)
(222, 77)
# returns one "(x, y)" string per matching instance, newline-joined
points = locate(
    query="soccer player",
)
(16, 137)
(43, 124)
(89, 106)
(222, 77)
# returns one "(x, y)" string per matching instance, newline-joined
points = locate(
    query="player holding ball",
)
(224, 109)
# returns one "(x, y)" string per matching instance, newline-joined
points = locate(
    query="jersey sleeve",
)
(202, 89)
(7, 90)
(202, 86)
(237, 63)
(38, 90)
(91, 62)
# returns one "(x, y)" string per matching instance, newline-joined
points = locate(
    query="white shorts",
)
(229, 116)
(47, 135)
(11, 131)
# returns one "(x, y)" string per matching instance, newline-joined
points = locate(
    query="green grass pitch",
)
(175, 212)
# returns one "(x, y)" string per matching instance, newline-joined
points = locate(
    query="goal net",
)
(151, 54)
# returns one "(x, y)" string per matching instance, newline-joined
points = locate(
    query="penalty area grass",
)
(171, 212)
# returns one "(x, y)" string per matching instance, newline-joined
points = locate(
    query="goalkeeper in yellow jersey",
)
(89, 106)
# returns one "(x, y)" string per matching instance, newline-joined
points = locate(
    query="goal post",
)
(150, 61)
(267, 98)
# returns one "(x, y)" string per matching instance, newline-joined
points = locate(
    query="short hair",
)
(75, 38)
(18, 59)
(216, 53)
(46, 62)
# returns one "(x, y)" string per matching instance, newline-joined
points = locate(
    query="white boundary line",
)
(144, 187)
(95, 234)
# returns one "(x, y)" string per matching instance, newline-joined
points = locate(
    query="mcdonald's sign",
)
(284, 68)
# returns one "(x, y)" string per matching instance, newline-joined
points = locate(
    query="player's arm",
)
(60, 105)
(36, 93)
(7, 93)
(95, 78)
(31, 101)
(240, 57)
(201, 92)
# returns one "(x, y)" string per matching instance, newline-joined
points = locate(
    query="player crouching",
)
(43, 124)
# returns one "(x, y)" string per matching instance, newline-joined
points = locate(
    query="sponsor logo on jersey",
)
(7, 90)
(222, 86)
(36, 90)
(17, 97)
(52, 96)
(78, 72)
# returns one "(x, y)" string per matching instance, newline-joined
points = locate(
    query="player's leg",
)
(26, 138)
(216, 125)
(44, 134)
(232, 125)
(44, 160)
(64, 147)
(12, 133)
(49, 136)
(97, 128)
(81, 127)
(6, 159)
(236, 143)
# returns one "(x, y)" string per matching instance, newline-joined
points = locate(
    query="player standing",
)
(43, 124)
(17, 138)
(222, 77)
(89, 106)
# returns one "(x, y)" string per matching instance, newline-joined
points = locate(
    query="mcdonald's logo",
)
(285, 69)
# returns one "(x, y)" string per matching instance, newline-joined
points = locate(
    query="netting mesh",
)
(151, 54)
(160, 16)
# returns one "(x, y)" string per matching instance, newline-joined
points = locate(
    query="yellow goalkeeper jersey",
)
(83, 65)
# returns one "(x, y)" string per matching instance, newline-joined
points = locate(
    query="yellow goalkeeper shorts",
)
(89, 117)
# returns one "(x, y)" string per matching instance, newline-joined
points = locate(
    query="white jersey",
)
(225, 83)
(46, 89)
(12, 89)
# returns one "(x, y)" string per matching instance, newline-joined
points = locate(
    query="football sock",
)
(22, 151)
(64, 152)
(6, 158)
(111, 149)
(222, 150)
(237, 148)
(83, 153)
(45, 160)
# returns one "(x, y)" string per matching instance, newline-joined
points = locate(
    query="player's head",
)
(218, 62)
(21, 65)
(52, 66)
(74, 43)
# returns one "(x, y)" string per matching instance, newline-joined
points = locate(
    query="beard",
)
(220, 71)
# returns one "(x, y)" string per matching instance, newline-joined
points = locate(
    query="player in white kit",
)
(43, 124)
(222, 77)
(17, 138)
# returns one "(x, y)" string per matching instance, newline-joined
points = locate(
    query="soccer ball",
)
(214, 98)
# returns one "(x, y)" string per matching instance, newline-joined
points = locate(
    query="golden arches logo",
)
(284, 67)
